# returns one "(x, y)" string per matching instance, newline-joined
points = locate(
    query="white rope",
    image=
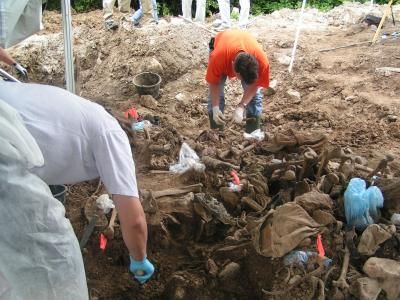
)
(296, 39)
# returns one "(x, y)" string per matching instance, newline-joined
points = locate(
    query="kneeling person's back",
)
(78, 138)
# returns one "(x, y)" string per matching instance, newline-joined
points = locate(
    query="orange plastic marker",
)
(236, 179)
(320, 246)
(103, 242)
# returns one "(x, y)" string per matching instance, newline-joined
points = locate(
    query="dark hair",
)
(247, 66)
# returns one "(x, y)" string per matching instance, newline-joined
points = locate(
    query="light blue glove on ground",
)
(142, 270)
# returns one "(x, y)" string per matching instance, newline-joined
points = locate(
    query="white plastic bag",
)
(361, 204)
(235, 187)
(105, 203)
(188, 160)
(256, 135)
(40, 257)
(140, 126)
(395, 219)
(300, 258)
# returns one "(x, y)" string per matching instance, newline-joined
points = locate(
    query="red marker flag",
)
(103, 242)
(235, 176)
(131, 112)
(320, 247)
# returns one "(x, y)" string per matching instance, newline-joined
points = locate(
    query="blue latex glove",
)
(142, 270)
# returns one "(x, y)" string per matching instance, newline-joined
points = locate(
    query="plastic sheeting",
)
(188, 160)
(39, 253)
(361, 204)
(19, 19)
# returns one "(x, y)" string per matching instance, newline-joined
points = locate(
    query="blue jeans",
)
(139, 13)
(254, 108)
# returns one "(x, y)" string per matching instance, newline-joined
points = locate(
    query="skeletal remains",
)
(294, 172)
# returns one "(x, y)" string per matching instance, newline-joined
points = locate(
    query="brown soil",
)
(341, 95)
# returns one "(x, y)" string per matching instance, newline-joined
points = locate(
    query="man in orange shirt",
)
(236, 53)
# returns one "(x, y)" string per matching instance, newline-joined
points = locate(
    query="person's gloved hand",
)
(142, 270)
(238, 115)
(218, 116)
(21, 71)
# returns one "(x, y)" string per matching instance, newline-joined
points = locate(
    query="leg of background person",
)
(187, 9)
(138, 14)
(225, 11)
(155, 10)
(124, 6)
(253, 111)
(244, 12)
(200, 11)
(213, 125)
(147, 9)
(108, 6)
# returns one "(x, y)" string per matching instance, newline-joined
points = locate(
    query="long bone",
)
(341, 282)
(327, 155)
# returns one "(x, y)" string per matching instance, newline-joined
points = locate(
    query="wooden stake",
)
(296, 39)
(378, 30)
(345, 46)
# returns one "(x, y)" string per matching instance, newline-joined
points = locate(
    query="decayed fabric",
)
(282, 230)
(314, 200)
(373, 236)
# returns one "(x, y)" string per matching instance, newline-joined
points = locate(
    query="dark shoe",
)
(252, 123)
(214, 125)
(110, 24)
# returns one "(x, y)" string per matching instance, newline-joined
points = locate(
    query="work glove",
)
(21, 71)
(218, 116)
(238, 115)
(142, 270)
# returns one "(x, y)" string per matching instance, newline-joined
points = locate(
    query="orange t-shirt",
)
(226, 46)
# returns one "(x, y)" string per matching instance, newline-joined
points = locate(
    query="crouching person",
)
(80, 141)
(236, 53)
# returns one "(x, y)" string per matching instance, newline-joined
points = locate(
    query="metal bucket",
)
(147, 83)
(59, 192)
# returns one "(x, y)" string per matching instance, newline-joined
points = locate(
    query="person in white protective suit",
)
(40, 256)
(225, 12)
(81, 141)
(200, 10)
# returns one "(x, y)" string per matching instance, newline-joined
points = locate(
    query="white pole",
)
(372, 3)
(296, 39)
(68, 54)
